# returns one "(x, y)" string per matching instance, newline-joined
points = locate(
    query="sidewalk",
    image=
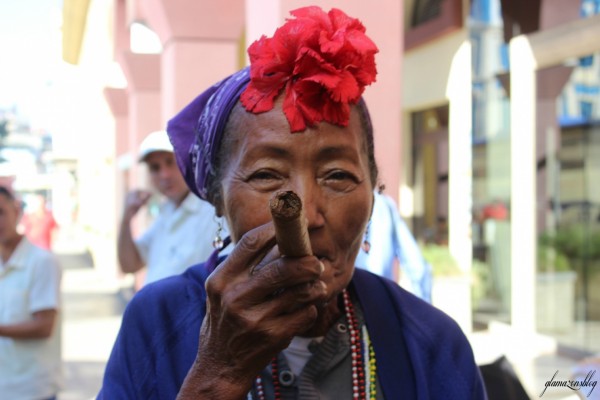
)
(535, 359)
(92, 310)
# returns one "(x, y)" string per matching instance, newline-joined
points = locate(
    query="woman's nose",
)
(312, 202)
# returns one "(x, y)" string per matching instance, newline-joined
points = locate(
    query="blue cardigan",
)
(421, 352)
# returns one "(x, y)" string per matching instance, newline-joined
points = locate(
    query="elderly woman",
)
(259, 324)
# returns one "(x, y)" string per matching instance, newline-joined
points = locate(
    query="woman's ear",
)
(217, 202)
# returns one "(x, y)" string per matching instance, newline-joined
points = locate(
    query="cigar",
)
(291, 226)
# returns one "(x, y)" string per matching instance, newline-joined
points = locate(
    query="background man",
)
(389, 245)
(30, 360)
(183, 232)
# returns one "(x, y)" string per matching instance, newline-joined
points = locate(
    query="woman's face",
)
(326, 166)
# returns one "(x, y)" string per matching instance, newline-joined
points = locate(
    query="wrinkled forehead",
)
(252, 138)
(273, 123)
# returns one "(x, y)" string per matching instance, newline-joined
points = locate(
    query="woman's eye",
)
(341, 181)
(263, 176)
(341, 176)
(265, 180)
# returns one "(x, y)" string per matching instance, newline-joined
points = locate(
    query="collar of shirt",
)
(18, 257)
(189, 205)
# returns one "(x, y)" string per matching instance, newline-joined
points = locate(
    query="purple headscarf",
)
(197, 130)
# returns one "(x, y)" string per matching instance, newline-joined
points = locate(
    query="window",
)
(431, 19)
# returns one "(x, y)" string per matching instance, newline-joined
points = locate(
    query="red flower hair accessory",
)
(324, 61)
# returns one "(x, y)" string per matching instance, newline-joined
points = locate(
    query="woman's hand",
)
(256, 302)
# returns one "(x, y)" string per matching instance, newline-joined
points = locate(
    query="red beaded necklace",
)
(358, 364)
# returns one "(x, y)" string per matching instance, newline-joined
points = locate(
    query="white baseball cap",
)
(155, 141)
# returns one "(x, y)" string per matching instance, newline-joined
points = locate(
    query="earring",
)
(218, 240)
(366, 245)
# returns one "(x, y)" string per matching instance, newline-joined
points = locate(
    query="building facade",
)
(500, 102)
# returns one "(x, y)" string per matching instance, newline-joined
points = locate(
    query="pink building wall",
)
(200, 46)
(118, 101)
(142, 72)
(191, 67)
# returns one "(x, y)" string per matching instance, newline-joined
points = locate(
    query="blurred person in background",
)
(30, 353)
(389, 249)
(183, 232)
(38, 222)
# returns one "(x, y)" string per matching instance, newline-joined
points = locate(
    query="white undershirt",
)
(297, 353)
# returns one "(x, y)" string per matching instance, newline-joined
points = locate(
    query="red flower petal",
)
(338, 113)
(324, 60)
(340, 85)
(292, 110)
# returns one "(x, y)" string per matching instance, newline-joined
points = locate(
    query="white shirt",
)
(29, 282)
(179, 238)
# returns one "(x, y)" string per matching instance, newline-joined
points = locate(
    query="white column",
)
(523, 183)
(460, 243)
(458, 92)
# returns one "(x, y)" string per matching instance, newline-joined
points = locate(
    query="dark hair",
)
(366, 124)
(214, 181)
(7, 193)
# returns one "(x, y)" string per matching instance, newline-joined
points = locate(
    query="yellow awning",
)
(74, 20)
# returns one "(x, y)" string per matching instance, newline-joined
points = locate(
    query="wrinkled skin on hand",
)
(253, 313)
(255, 306)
